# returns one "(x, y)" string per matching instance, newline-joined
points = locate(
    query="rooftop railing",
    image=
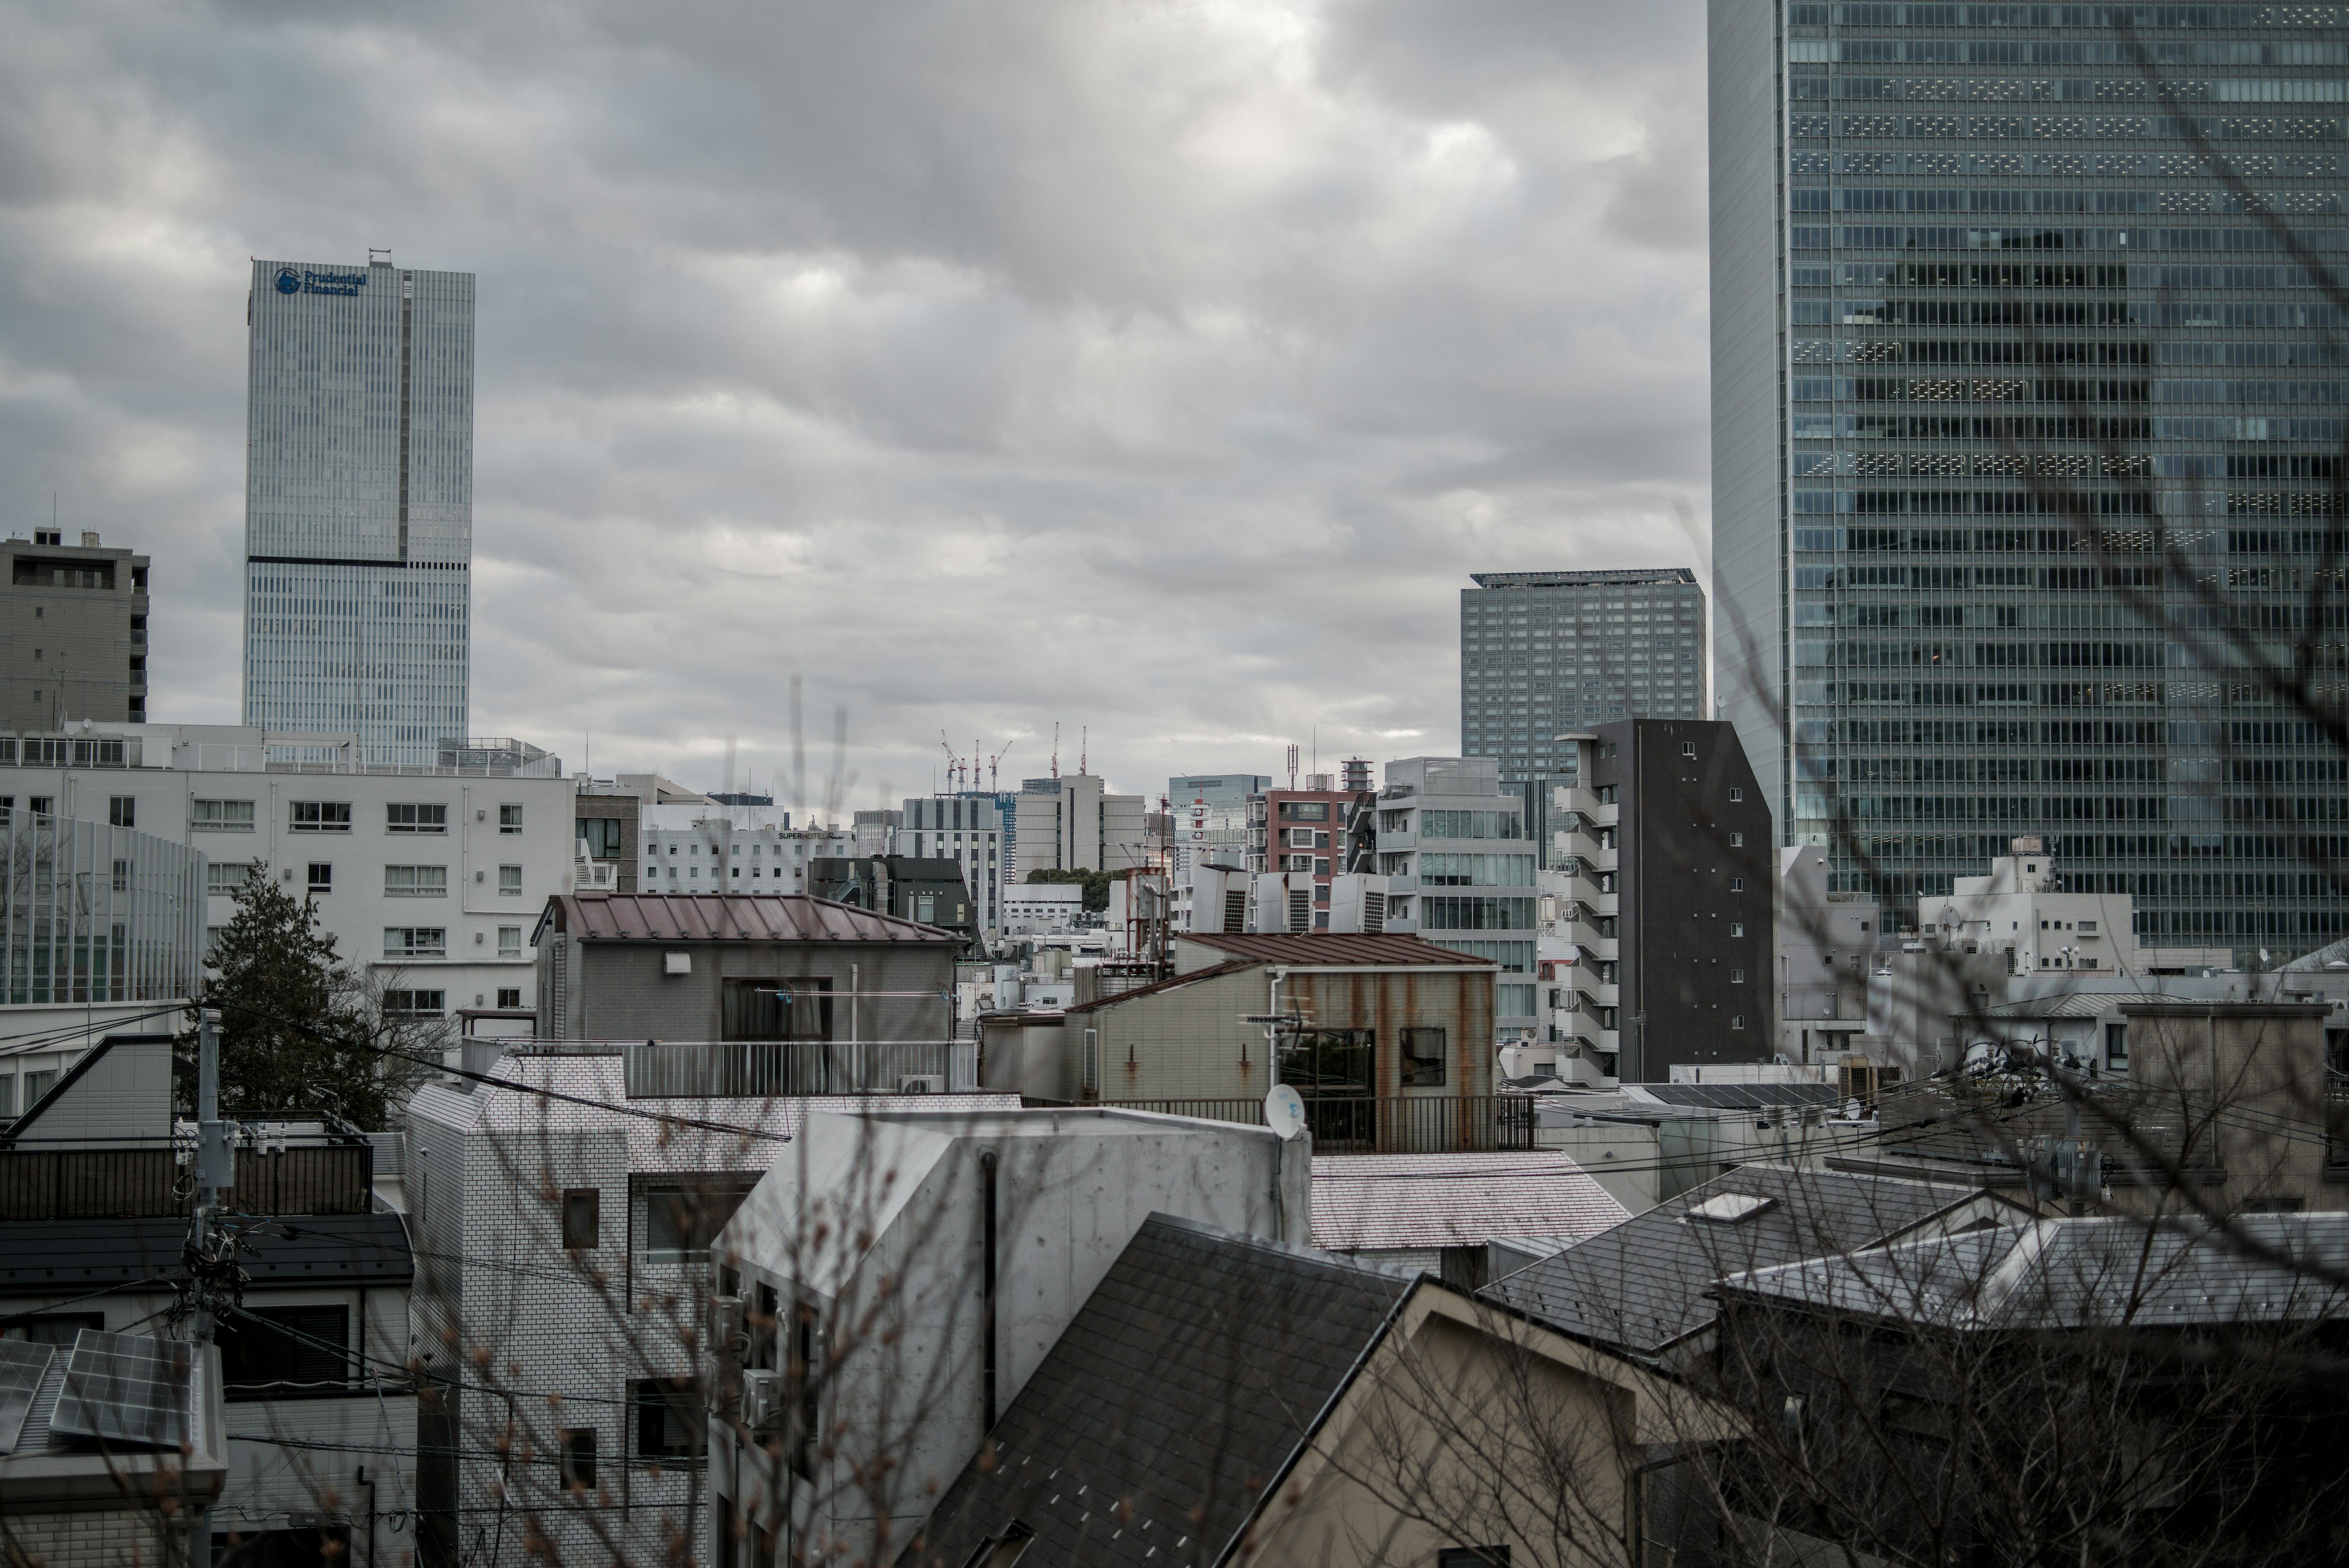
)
(1381, 1124)
(758, 1069)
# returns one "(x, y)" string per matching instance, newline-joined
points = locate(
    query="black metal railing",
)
(151, 1182)
(1382, 1124)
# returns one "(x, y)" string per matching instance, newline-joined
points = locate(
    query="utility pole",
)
(215, 1175)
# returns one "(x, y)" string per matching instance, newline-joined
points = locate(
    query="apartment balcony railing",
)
(758, 1069)
(148, 1180)
(1382, 1124)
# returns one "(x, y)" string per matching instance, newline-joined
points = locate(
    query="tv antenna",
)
(1056, 748)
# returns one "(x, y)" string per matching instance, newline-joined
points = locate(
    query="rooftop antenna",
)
(1084, 733)
(1056, 748)
(1292, 765)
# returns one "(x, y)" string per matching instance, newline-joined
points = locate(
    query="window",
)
(1737, 1021)
(1304, 811)
(122, 876)
(322, 876)
(682, 1218)
(415, 1004)
(38, 1084)
(510, 997)
(2116, 1047)
(415, 941)
(1688, 750)
(1737, 792)
(510, 881)
(215, 815)
(1737, 977)
(416, 881)
(1422, 1058)
(227, 877)
(1328, 1062)
(510, 818)
(509, 941)
(582, 1219)
(415, 817)
(669, 1422)
(1737, 841)
(579, 1457)
(122, 811)
(41, 805)
(1737, 884)
(275, 1352)
(1736, 927)
(601, 835)
(797, 1008)
(318, 817)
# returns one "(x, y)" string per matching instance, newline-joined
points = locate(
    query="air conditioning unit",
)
(726, 1320)
(761, 1399)
(922, 1083)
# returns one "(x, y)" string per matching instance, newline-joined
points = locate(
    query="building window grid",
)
(1824, 117)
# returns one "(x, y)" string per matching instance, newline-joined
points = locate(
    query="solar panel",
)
(125, 1388)
(22, 1366)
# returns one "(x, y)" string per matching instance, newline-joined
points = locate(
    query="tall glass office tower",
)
(358, 513)
(1988, 325)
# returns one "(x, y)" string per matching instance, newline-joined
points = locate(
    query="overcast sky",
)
(1162, 366)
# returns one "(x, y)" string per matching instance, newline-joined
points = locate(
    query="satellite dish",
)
(1284, 1111)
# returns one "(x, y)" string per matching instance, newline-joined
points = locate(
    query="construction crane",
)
(997, 758)
(955, 764)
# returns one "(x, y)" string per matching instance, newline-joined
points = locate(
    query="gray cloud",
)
(1159, 369)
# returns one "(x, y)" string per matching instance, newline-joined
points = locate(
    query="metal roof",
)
(43, 1257)
(1177, 1397)
(2079, 1273)
(1234, 966)
(1394, 1202)
(1647, 1282)
(727, 917)
(1736, 1097)
(1325, 948)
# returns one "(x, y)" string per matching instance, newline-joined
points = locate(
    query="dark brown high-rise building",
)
(73, 633)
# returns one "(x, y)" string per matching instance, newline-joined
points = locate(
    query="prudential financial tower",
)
(358, 513)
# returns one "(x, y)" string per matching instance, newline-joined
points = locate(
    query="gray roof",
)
(1192, 1376)
(1645, 1283)
(2082, 1273)
(1738, 1097)
(47, 1257)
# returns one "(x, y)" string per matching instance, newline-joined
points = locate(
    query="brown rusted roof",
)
(1230, 966)
(1324, 947)
(727, 917)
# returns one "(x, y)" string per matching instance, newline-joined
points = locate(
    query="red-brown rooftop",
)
(1326, 948)
(725, 917)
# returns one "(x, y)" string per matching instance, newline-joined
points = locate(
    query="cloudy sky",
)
(1159, 366)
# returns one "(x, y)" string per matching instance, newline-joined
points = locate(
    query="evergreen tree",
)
(299, 1034)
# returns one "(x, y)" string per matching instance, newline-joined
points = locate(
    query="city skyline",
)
(1203, 344)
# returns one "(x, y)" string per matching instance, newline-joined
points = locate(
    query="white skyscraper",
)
(358, 513)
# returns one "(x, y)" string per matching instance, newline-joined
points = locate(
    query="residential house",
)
(1438, 1213)
(904, 1273)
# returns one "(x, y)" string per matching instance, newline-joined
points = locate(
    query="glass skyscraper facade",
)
(1544, 654)
(359, 504)
(1995, 338)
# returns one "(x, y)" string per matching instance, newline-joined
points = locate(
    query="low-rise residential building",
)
(429, 877)
(930, 892)
(773, 967)
(1439, 1213)
(564, 1197)
(1290, 1406)
(936, 1293)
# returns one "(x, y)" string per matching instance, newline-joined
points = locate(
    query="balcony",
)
(1391, 843)
(759, 1069)
(145, 1179)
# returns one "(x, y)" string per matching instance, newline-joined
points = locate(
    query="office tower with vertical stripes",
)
(359, 504)
(2027, 391)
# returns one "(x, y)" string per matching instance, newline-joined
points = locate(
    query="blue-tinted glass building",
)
(359, 504)
(1992, 336)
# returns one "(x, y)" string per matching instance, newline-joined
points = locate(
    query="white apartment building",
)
(1459, 872)
(428, 878)
(2023, 910)
(694, 847)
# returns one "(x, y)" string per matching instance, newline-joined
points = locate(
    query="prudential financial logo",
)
(306, 280)
(288, 281)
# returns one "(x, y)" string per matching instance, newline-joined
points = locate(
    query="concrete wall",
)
(2244, 1083)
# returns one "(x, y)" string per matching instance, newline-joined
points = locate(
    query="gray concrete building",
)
(1070, 823)
(1542, 653)
(1992, 338)
(73, 632)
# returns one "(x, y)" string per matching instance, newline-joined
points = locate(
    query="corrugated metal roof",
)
(1154, 987)
(1181, 1387)
(728, 916)
(44, 1256)
(1734, 1096)
(2079, 1273)
(1387, 1203)
(1324, 947)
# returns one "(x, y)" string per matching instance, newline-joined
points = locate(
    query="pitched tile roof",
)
(2080, 1273)
(1646, 1283)
(1364, 1203)
(1324, 947)
(1191, 1375)
(727, 917)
